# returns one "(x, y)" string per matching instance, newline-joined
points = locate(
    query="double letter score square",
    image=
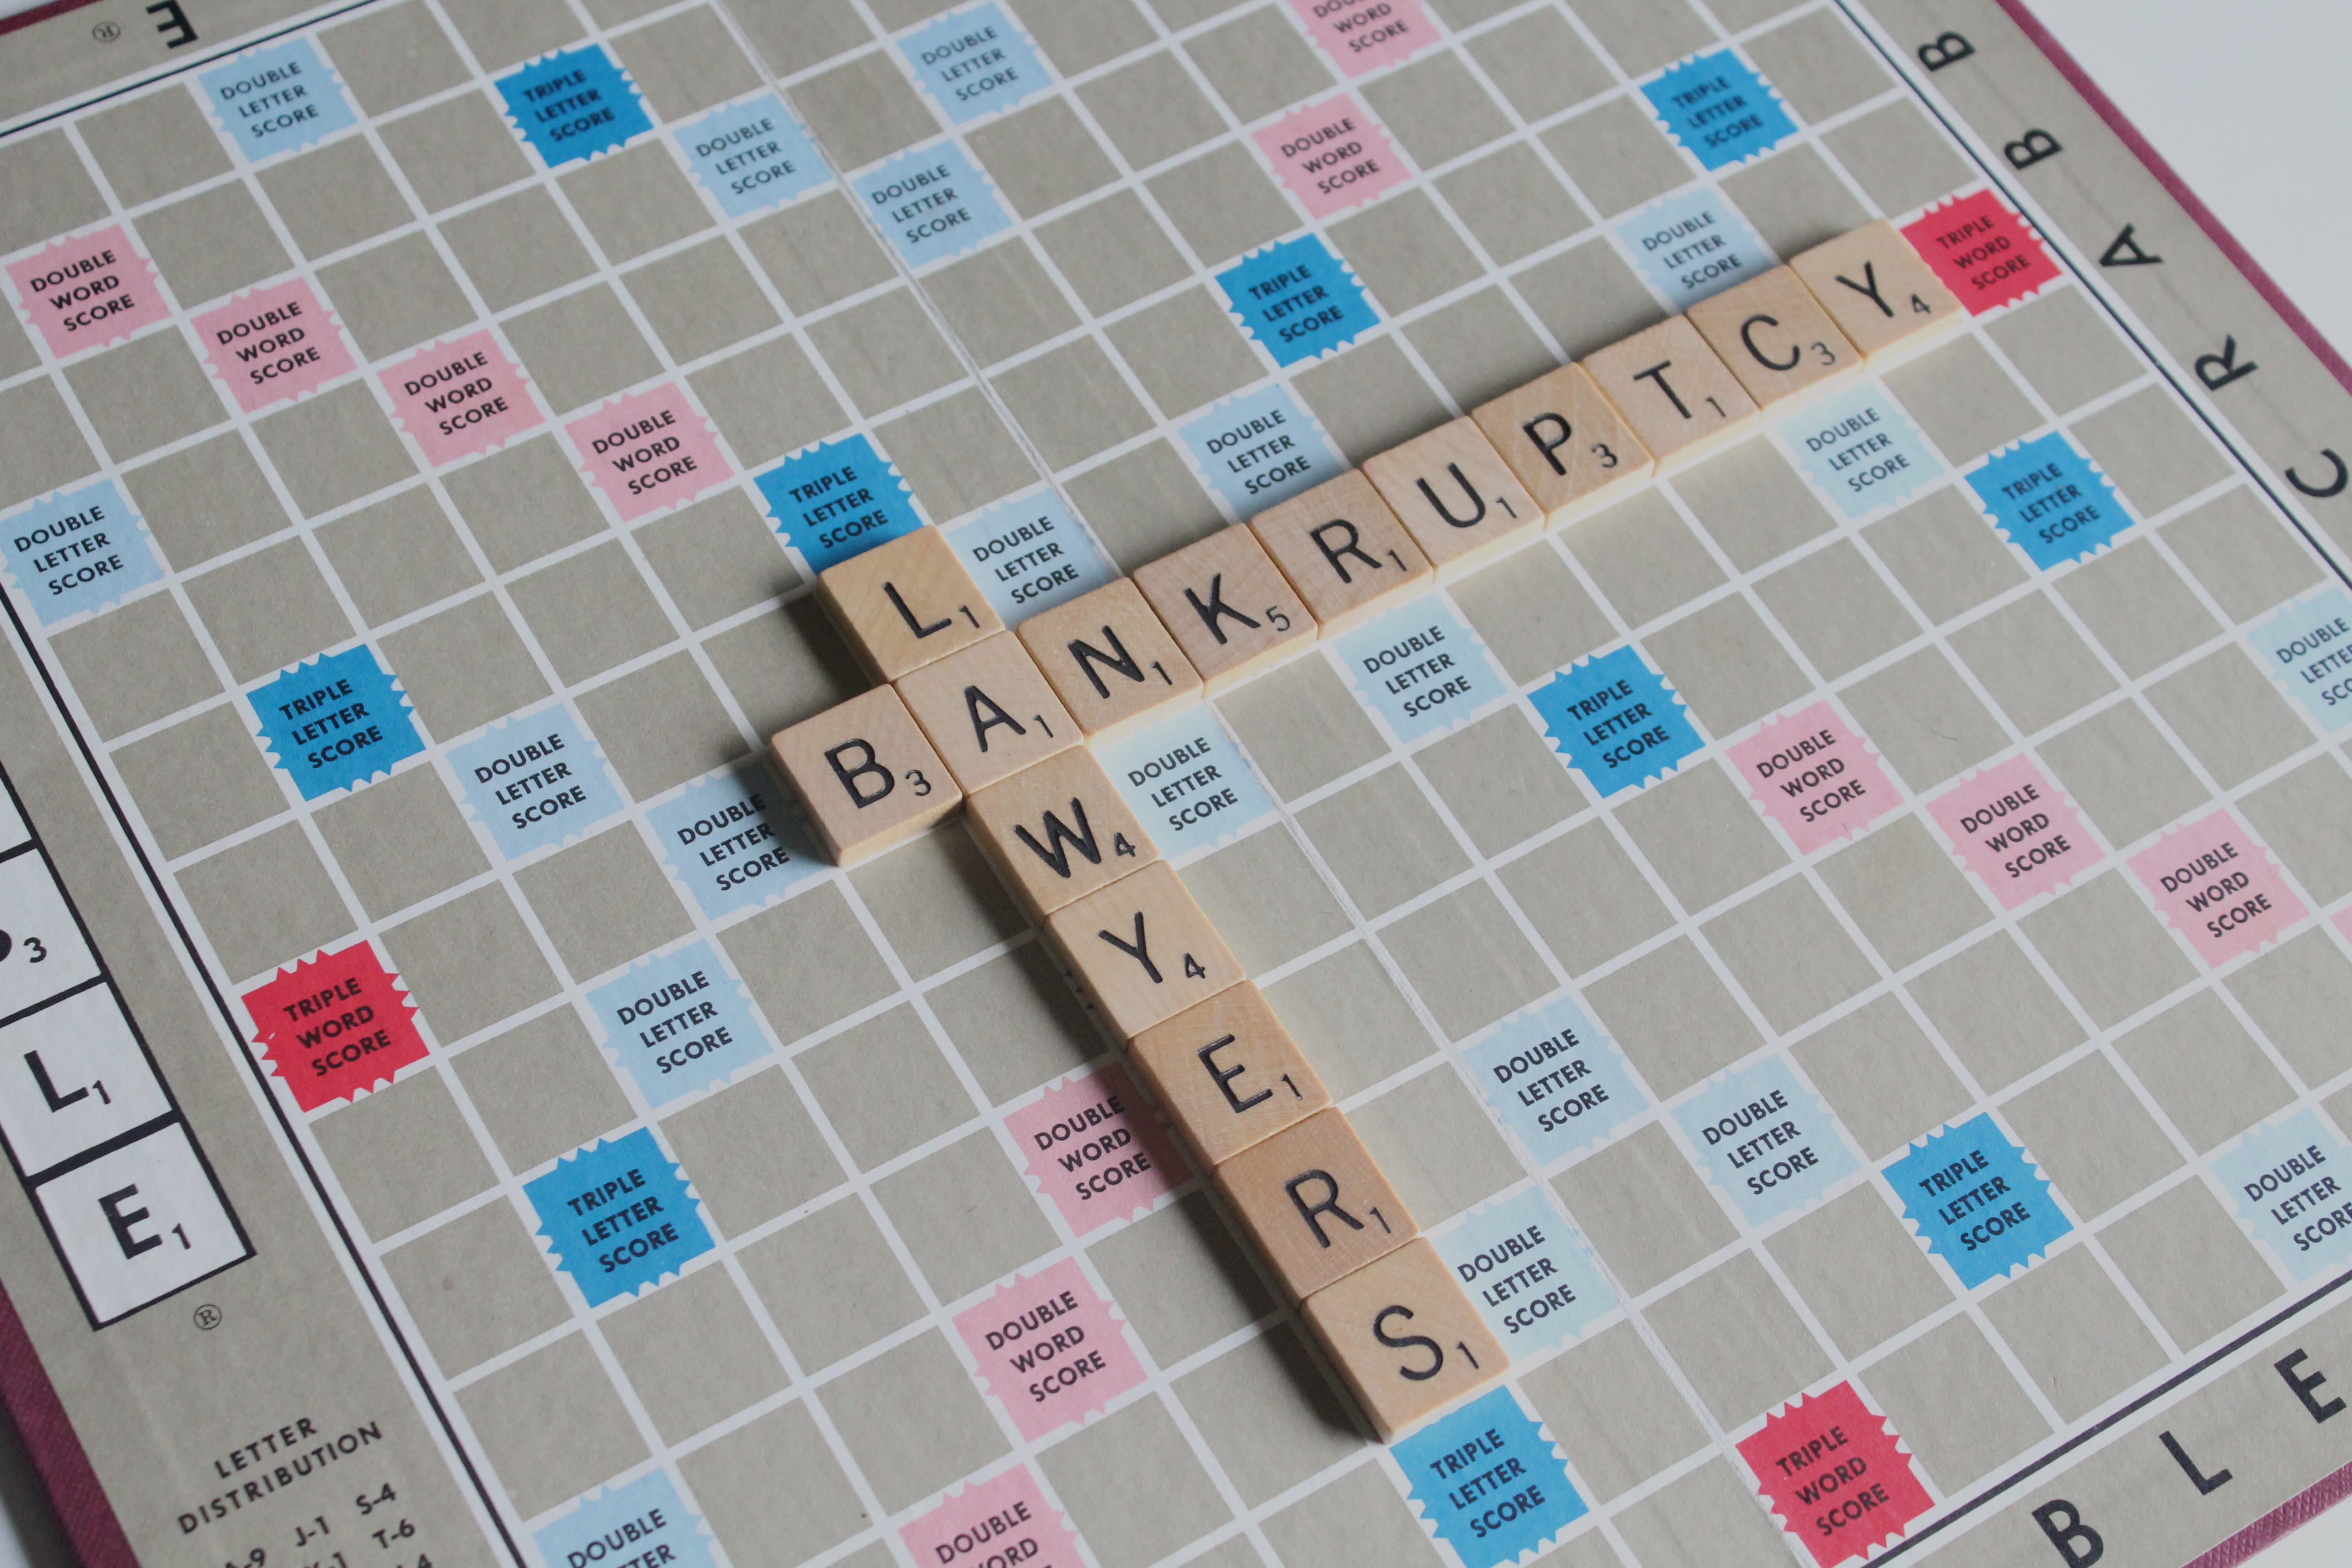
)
(865, 774)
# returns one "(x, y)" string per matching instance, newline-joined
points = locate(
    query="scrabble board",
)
(1843, 946)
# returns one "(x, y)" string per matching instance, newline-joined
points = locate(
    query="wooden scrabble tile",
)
(1888, 302)
(1343, 550)
(1407, 1340)
(1059, 831)
(1315, 1203)
(904, 603)
(1228, 1073)
(1571, 449)
(1776, 338)
(1111, 662)
(1228, 606)
(1680, 399)
(988, 710)
(865, 774)
(1455, 495)
(1143, 948)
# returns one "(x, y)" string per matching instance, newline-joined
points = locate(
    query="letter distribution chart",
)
(1123, 782)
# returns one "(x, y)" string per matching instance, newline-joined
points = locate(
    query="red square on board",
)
(1831, 1470)
(335, 1025)
(1981, 251)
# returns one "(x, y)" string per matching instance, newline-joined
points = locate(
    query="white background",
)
(2244, 100)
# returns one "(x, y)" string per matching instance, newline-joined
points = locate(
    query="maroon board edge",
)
(80, 1502)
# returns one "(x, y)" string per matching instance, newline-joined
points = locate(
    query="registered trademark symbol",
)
(106, 32)
(208, 1317)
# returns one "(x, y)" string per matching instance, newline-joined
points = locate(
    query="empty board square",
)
(1144, 503)
(1643, 556)
(768, 399)
(264, 901)
(477, 1287)
(303, 619)
(1258, 64)
(1042, 157)
(1881, 1077)
(2232, 544)
(2231, 719)
(1789, 953)
(2155, 453)
(912, 1420)
(1738, 1339)
(416, 1117)
(399, 841)
(503, 32)
(965, 1214)
(885, 351)
(582, 348)
(1645, 1209)
(1455, 496)
(774, 1485)
(602, 901)
(865, 753)
(685, 63)
(1500, 781)
(1726, 664)
(1265, 900)
(2294, 993)
(1405, 251)
(1094, 1474)
(885, 1087)
(936, 903)
(1587, 298)
(1944, 554)
(1015, 1021)
(1676, 1022)
(1857, 1236)
(334, 447)
(1701, 837)
(783, 667)
(832, 1283)
(1794, 199)
(2141, 610)
(1186, 350)
(717, 557)
(1429, 944)
(1383, 840)
(551, 1423)
(1150, 109)
(635, 200)
(1369, 398)
(137, 664)
(1532, 613)
(541, 1089)
(1836, 609)
(1964, 401)
(1539, 62)
(1078, 35)
(752, 1152)
(1000, 301)
(1110, 660)
(146, 393)
(2187, 1259)
(2206, 1073)
(471, 963)
(2032, 662)
(1610, 1402)
(2107, 948)
(1436, 109)
(334, 196)
(1923, 718)
(394, 295)
(2077, 1336)
(154, 145)
(590, 612)
(1072, 402)
(1181, 1277)
(454, 152)
(2303, 816)
(1956, 1440)
(213, 243)
(2118, 767)
(1753, 504)
(394, 57)
(660, 725)
(1902, 160)
(1617, 156)
(1996, 1012)
(1112, 251)
(200, 780)
(463, 667)
(1269, 1413)
(1437, 1144)
(817, 252)
(2089, 1135)
(693, 1353)
(516, 248)
(863, 110)
(2063, 344)
(1301, 727)
(1585, 897)
(1903, 892)
(958, 454)
(1706, 1517)
(1511, 202)
(701, 299)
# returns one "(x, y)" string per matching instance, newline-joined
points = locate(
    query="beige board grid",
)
(1629, 1525)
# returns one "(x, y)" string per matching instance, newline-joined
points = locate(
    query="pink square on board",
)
(1981, 251)
(1364, 35)
(1333, 155)
(650, 451)
(1837, 1474)
(89, 290)
(1097, 1151)
(1815, 776)
(2016, 830)
(1049, 1348)
(2216, 885)
(990, 1521)
(273, 344)
(461, 397)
